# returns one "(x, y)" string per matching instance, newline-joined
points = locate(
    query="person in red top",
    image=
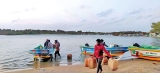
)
(57, 45)
(98, 53)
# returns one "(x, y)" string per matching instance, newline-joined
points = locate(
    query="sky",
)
(74, 15)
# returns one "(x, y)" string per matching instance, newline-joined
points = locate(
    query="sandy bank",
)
(125, 66)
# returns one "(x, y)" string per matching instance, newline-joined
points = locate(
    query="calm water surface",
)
(14, 49)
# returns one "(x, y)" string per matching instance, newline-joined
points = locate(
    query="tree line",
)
(155, 29)
(31, 31)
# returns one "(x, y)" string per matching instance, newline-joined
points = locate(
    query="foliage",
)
(155, 27)
(31, 31)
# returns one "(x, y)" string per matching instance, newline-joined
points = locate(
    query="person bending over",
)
(98, 53)
(46, 44)
(136, 45)
(87, 45)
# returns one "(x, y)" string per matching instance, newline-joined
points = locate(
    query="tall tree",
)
(155, 27)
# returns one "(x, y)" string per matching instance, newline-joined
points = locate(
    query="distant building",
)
(154, 34)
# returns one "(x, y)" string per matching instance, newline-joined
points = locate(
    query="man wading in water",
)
(50, 48)
(57, 45)
(46, 44)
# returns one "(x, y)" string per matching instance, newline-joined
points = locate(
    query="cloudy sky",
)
(85, 15)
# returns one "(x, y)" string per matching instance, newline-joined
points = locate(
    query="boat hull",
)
(149, 54)
(39, 53)
(115, 54)
(114, 51)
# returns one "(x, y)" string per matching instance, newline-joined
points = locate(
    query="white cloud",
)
(69, 14)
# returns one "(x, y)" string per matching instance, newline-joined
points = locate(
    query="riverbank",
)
(125, 66)
(155, 36)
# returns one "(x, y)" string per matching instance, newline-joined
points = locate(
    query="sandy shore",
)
(125, 66)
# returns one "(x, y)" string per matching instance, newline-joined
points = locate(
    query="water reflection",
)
(155, 42)
(46, 64)
(57, 63)
(15, 56)
(36, 65)
(83, 57)
(69, 62)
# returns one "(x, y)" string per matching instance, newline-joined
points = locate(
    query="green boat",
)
(146, 52)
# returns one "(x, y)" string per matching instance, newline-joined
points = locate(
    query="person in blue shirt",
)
(50, 48)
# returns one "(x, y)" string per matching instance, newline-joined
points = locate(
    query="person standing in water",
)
(46, 44)
(50, 48)
(98, 53)
(103, 43)
(57, 45)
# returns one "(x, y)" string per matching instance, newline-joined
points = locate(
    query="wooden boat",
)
(114, 51)
(40, 53)
(146, 52)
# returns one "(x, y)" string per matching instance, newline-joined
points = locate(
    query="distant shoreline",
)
(54, 34)
(76, 34)
(36, 32)
(80, 35)
(155, 37)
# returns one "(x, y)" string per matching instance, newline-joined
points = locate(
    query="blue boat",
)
(114, 51)
(40, 52)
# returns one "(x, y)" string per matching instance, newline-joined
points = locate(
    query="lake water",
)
(14, 49)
